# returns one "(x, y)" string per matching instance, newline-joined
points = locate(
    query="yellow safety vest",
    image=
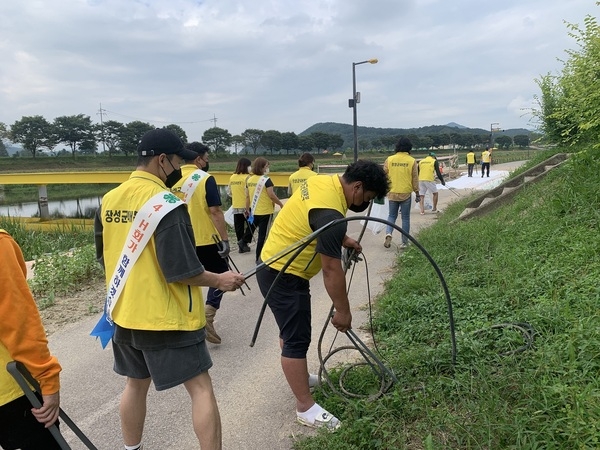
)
(427, 169)
(299, 177)
(470, 158)
(399, 169)
(237, 184)
(485, 156)
(291, 224)
(264, 205)
(202, 224)
(147, 302)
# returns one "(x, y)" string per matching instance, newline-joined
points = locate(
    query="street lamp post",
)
(354, 100)
(494, 126)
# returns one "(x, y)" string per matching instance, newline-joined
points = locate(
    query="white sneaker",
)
(388, 241)
(323, 420)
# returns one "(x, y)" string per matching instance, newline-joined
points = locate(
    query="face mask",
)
(359, 208)
(173, 177)
(249, 169)
(205, 168)
(266, 170)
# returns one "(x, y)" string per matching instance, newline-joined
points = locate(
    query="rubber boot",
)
(211, 334)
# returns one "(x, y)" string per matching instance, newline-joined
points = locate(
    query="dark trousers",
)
(243, 232)
(484, 167)
(212, 261)
(262, 223)
(20, 429)
(470, 168)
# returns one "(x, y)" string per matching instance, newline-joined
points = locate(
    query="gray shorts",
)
(170, 358)
(425, 186)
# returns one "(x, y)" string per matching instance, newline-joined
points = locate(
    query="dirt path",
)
(257, 408)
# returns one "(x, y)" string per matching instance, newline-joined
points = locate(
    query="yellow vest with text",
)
(147, 302)
(198, 208)
(291, 224)
(299, 177)
(470, 158)
(265, 205)
(400, 167)
(237, 184)
(427, 169)
(485, 156)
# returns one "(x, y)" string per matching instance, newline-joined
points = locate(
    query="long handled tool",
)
(229, 261)
(22, 377)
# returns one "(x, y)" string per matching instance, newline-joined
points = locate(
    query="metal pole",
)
(354, 122)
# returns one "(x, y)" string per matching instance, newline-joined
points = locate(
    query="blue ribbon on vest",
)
(104, 330)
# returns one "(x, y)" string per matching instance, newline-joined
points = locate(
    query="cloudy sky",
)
(281, 64)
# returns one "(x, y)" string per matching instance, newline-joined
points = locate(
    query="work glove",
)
(224, 249)
(417, 198)
(350, 256)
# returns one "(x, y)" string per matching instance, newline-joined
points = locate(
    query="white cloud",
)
(281, 64)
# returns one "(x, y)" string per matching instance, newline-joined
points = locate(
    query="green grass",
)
(537, 261)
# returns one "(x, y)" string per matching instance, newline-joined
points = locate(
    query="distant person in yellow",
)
(486, 159)
(306, 164)
(204, 206)
(428, 168)
(471, 161)
(260, 200)
(237, 191)
(401, 169)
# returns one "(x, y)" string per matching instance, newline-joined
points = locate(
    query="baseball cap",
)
(162, 140)
(432, 154)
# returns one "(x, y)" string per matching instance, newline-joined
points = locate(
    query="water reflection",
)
(82, 207)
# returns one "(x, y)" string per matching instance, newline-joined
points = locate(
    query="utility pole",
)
(101, 113)
(214, 121)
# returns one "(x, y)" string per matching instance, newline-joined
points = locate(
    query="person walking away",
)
(322, 199)
(23, 338)
(237, 191)
(429, 166)
(306, 164)
(471, 161)
(158, 314)
(402, 172)
(486, 159)
(260, 200)
(202, 196)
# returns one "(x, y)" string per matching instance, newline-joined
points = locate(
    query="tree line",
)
(38, 135)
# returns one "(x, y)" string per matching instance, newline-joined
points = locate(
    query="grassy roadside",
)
(534, 261)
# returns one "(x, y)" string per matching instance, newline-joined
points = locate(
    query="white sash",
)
(259, 187)
(145, 222)
(192, 183)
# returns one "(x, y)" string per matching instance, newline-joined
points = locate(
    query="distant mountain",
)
(346, 131)
(454, 125)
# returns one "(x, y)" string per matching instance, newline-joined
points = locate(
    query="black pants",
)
(262, 223)
(212, 261)
(243, 232)
(19, 429)
(484, 167)
(470, 168)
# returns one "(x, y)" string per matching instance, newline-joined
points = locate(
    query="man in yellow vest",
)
(306, 164)
(22, 336)
(403, 175)
(428, 168)
(204, 207)
(321, 199)
(159, 316)
(486, 159)
(471, 161)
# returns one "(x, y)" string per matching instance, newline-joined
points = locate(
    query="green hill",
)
(525, 293)
(370, 133)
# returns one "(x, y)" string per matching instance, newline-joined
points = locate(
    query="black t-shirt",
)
(329, 242)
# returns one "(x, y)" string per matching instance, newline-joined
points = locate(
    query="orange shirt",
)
(22, 335)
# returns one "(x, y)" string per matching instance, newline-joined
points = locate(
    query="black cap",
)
(163, 140)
